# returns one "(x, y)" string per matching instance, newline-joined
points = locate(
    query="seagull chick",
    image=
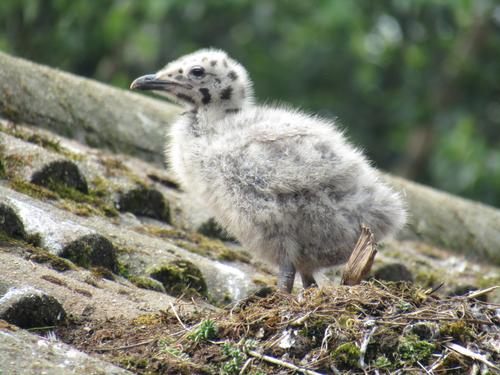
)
(287, 185)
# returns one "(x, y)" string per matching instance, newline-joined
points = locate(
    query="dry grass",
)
(367, 328)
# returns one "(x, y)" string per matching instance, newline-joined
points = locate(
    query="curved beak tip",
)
(147, 82)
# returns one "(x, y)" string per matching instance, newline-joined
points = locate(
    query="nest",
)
(364, 328)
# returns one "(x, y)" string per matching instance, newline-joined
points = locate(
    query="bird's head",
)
(205, 78)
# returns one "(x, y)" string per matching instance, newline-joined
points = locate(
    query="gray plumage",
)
(287, 185)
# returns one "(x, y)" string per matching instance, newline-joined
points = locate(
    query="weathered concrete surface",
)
(22, 353)
(83, 109)
(122, 121)
(468, 227)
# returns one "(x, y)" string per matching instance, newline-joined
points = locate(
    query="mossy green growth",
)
(147, 283)
(347, 355)
(39, 139)
(459, 330)
(133, 362)
(92, 201)
(53, 261)
(207, 330)
(35, 191)
(32, 252)
(199, 244)
(92, 250)
(412, 350)
(180, 277)
(210, 228)
(383, 362)
(3, 168)
(236, 359)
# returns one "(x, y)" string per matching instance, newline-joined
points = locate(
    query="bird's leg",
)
(308, 280)
(286, 276)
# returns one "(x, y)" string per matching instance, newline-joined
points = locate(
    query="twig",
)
(41, 328)
(279, 362)
(245, 366)
(177, 316)
(478, 293)
(364, 346)
(361, 260)
(125, 347)
(469, 353)
(423, 368)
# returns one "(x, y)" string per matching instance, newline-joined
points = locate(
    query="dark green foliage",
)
(415, 82)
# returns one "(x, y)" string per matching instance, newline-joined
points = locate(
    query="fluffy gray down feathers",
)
(287, 185)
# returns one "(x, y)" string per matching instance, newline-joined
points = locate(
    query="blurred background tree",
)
(417, 83)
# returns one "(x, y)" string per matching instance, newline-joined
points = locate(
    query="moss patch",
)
(180, 277)
(147, 283)
(412, 350)
(210, 228)
(198, 244)
(92, 250)
(10, 223)
(347, 355)
(145, 202)
(61, 173)
(41, 140)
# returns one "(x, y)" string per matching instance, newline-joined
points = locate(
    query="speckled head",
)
(205, 78)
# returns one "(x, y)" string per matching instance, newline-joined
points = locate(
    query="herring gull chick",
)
(287, 185)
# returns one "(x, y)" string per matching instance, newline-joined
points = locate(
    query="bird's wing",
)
(293, 162)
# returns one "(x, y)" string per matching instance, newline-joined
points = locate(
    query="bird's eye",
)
(197, 71)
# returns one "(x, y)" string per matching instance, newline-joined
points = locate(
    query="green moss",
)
(53, 261)
(3, 167)
(72, 199)
(412, 350)
(133, 362)
(210, 228)
(199, 244)
(207, 330)
(147, 283)
(458, 330)
(123, 270)
(427, 279)
(347, 355)
(383, 362)
(35, 191)
(39, 139)
(102, 273)
(145, 202)
(92, 250)
(180, 277)
(81, 203)
(32, 251)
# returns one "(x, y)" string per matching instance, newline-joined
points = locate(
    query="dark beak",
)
(150, 82)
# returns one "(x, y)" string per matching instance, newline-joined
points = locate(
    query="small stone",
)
(61, 172)
(10, 223)
(28, 307)
(92, 250)
(145, 202)
(393, 272)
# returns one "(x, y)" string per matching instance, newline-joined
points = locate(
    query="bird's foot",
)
(308, 280)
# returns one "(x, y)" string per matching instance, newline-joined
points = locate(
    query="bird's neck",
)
(207, 117)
